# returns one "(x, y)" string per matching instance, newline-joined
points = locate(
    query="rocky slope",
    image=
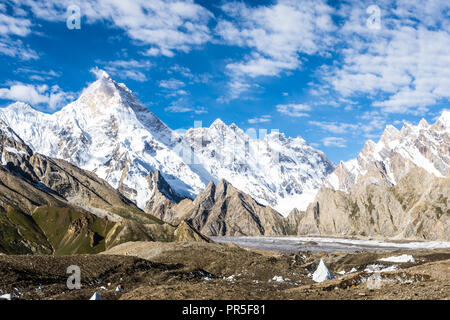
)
(223, 210)
(50, 206)
(417, 207)
(108, 131)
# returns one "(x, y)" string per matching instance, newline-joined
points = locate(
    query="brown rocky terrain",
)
(163, 197)
(224, 210)
(200, 270)
(416, 208)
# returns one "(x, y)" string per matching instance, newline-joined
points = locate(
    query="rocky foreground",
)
(200, 270)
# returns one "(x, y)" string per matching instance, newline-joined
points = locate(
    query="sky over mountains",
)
(333, 72)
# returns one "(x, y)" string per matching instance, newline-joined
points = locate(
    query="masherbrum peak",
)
(107, 130)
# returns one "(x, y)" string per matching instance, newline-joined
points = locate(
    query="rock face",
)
(108, 131)
(51, 206)
(418, 207)
(162, 197)
(223, 210)
(184, 232)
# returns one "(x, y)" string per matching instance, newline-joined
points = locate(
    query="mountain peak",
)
(22, 106)
(106, 96)
(218, 123)
(390, 129)
(423, 123)
(445, 118)
(101, 74)
(389, 133)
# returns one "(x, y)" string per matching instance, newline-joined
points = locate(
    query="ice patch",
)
(322, 273)
(230, 278)
(379, 268)
(95, 296)
(399, 259)
(279, 279)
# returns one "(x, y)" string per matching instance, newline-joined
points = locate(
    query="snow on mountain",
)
(277, 171)
(384, 163)
(12, 148)
(107, 130)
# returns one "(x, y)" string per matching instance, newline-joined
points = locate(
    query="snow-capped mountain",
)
(386, 162)
(277, 171)
(107, 130)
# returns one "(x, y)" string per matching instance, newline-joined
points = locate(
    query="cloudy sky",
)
(333, 72)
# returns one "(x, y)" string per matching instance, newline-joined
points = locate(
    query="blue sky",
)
(334, 72)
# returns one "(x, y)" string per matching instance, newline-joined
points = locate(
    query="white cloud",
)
(16, 49)
(187, 73)
(178, 109)
(164, 26)
(276, 34)
(403, 67)
(262, 119)
(334, 127)
(235, 88)
(200, 110)
(171, 84)
(127, 69)
(14, 26)
(52, 97)
(184, 71)
(370, 122)
(334, 142)
(182, 109)
(38, 74)
(294, 110)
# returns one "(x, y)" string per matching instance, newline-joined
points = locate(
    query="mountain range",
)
(108, 131)
(396, 188)
(104, 170)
